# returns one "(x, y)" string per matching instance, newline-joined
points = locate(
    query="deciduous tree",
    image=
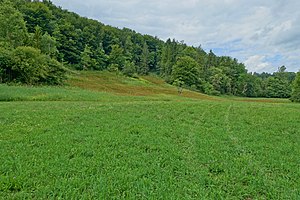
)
(186, 70)
(12, 25)
(296, 89)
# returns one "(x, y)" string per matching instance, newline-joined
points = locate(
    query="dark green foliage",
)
(168, 57)
(27, 65)
(154, 47)
(250, 86)
(109, 39)
(68, 39)
(37, 14)
(13, 29)
(128, 48)
(209, 89)
(56, 72)
(220, 81)
(145, 60)
(6, 63)
(49, 45)
(116, 57)
(234, 71)
(211, 61)
(101, 59)
(87, 62)
(263, 75)
(37, 38)
(296, 89)
(43, 41)
(277, 88)
(32, 67)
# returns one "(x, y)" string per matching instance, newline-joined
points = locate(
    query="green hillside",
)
(41, 43)
(100, 86)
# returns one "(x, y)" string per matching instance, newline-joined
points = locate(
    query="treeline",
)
(39, 42)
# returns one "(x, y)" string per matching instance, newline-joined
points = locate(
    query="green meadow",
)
(101, 137)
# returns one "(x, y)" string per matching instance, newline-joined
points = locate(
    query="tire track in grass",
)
(204, 153)
(227, 124)
(232, 165)
(244, 171)
(191, 162)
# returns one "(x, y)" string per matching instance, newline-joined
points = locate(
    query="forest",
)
(41, 43)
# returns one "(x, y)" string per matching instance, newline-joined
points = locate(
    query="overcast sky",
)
(263, 34)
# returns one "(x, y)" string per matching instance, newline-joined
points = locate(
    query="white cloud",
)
(257, 63)
(254, 30)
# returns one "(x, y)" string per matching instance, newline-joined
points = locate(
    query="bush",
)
(209, 89)
(113, 68)
(28, 65)
(56, 73)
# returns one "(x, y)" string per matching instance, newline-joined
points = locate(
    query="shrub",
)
(28, 65)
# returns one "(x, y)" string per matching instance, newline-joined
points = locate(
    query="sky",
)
(263, 34)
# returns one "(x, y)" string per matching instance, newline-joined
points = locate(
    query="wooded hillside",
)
(40, 43)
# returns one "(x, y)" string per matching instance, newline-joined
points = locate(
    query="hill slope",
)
(119, 84)
(106, 86)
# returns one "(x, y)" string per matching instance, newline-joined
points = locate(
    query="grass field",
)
(100, 141)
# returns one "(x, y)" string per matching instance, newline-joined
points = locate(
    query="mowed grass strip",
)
(149, 150)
